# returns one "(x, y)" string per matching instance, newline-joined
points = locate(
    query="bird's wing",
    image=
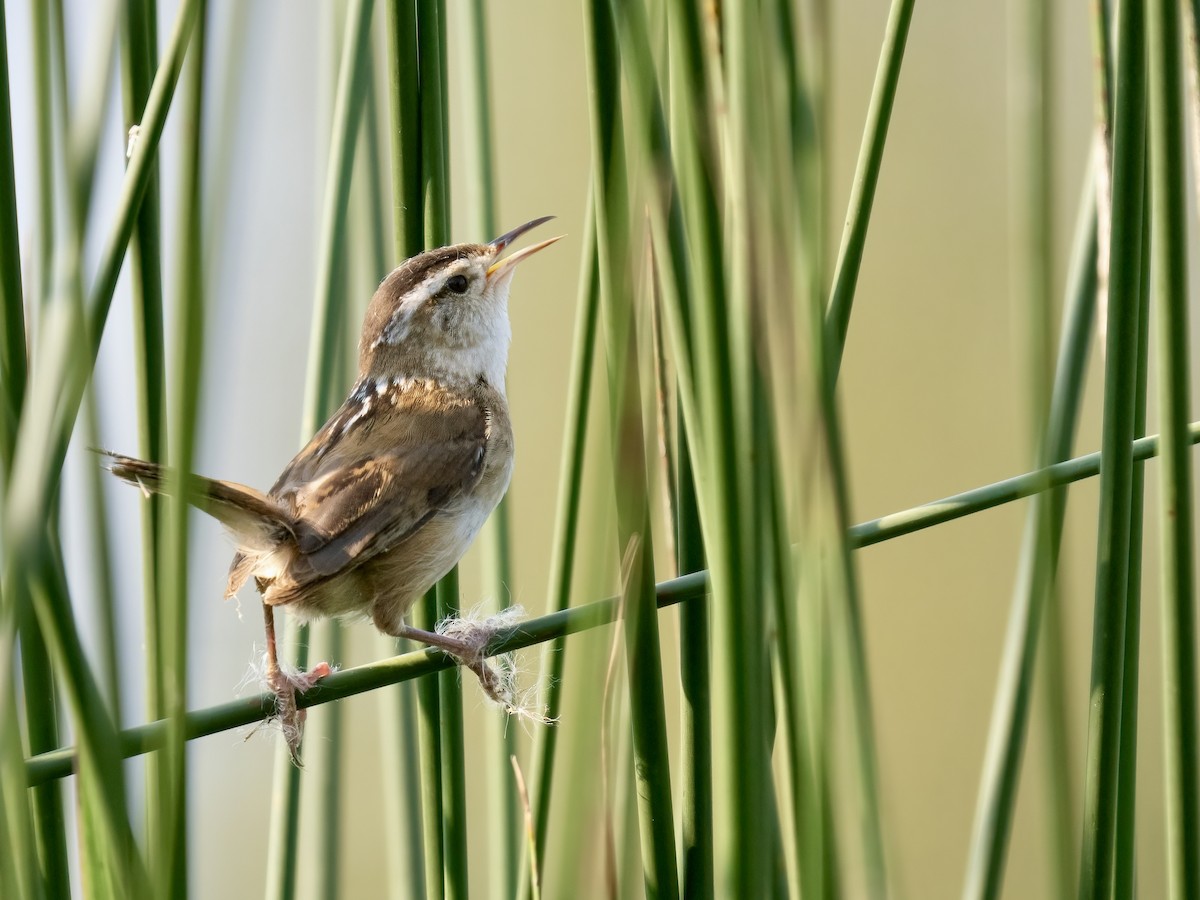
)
(382, 467)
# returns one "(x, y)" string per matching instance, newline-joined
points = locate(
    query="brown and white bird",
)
(392, 490)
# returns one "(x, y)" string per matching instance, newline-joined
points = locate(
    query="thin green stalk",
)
(83, 123)
(171, 854)
(1169, 180)
(814, 843)
(434, 128)
(449, 756)
(453, 807)
(1125, 866)
(404, 97)
(429, 741)
(76, 154)
(697, 161)
(1032, 596)
(322, 390)
(323, 384)
(324, 778)
(12, 304)
(139, 46)
(81, 128)
(22, 875)
(866, 179)
(1032, 188)
(283, 835)
(695, 303)
(566, 530)
(101, 780)
(401, 785)
(38, 682)
(41, 732)
(742, 628)
(696, 837)
(647, 725)
(669, 233)
(854, 654)
(101, 558)
(840, 586)
(1108, 641)
(477, 122)
(44, 135)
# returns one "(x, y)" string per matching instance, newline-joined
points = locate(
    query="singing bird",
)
(391, 491)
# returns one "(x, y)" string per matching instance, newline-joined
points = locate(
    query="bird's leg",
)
(285, 686)
(469, 654)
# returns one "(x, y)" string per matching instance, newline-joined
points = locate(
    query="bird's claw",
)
(291, 717)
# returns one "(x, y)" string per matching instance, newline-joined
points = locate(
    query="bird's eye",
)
(457, 284)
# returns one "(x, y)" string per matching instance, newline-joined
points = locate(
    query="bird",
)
(390, 492)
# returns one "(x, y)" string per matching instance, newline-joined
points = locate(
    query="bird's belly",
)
(408, 570)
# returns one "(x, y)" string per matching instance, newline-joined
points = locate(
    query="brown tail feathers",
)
(256, 521)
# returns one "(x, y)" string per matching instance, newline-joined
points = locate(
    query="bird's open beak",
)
(509, 236)
(503, 265)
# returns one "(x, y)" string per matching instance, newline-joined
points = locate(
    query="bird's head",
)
(444, 313)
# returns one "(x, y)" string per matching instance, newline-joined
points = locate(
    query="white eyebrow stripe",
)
(398, 325)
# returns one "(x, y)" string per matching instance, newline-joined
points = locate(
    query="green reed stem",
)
(101, 782)
(1033, 597)
(323, 386)
(1112, 587)
(77, 153)
(43, 94)
(429, 741)
(566, 530)
(12, 305)
(81, 128)
(38, 681)
(450, 755)
(697, 162)
(866, 180)
(1168, 183)
(741, 651)
(1125, 868)
(453, 807)
(171, 856)
(138, 51)
(696, 833)
(1032, 120)
(404, 107)
(1018, 487)
(22, 877)
(647, 725)
(324, 776)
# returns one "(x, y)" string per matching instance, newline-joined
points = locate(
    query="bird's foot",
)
(467, 640)
(285, 685)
